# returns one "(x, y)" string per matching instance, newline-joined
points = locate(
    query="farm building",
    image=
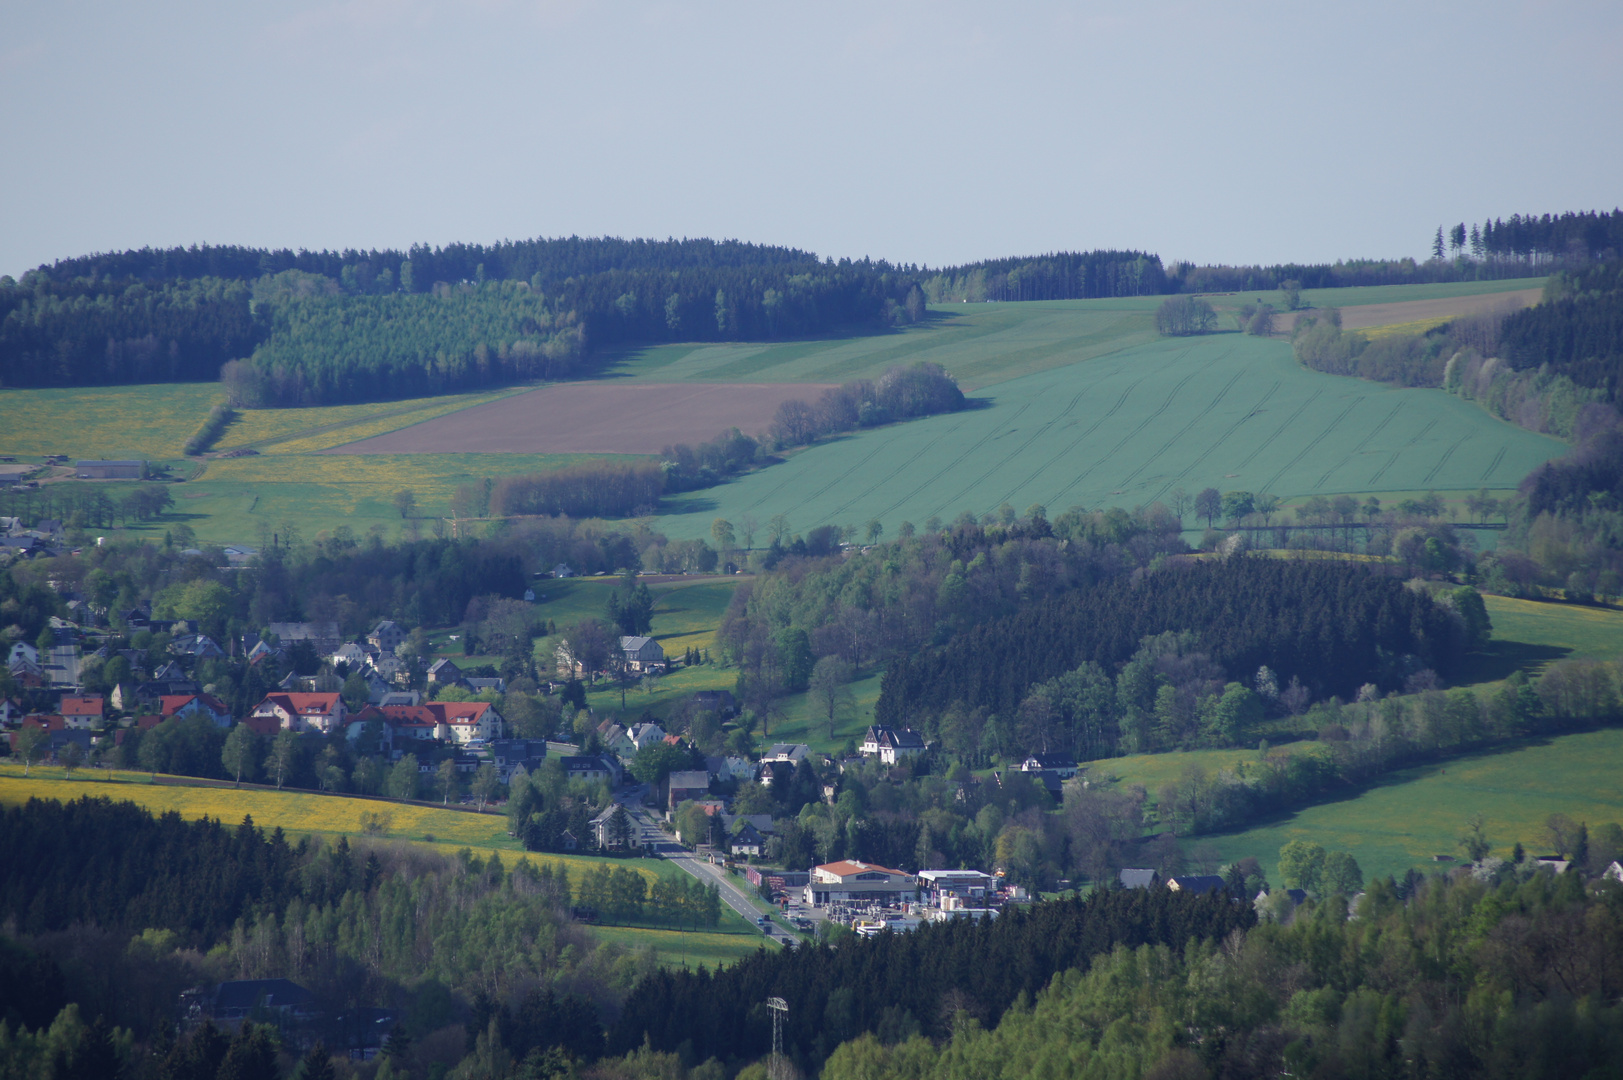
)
(110, 470)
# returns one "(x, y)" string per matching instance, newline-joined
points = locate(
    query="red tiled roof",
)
(427, 715)
(262, 725)
(90, 705)
(303, 704)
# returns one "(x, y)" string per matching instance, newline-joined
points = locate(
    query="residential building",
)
(687, 784)
(745, 841)
(387, 636)
(646, 735)
(643, 654)
(511, 754)
(351, 655)
(592, 769)
(303, 712)
(322, 636)
(247, 999)
(206, 705)
(444, 673)
(459, 722)
(1140, 879)
(197, 647)
(1061, 765)
(22, 650)
(84, 712)
(482, 686)
(891, 744)
(850, 881)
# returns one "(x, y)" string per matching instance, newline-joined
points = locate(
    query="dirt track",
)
(601, 417)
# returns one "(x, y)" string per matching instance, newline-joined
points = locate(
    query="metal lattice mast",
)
(778, 1007)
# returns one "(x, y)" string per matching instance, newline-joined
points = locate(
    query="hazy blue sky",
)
(931, 133)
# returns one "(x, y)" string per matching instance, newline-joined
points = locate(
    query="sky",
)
(931, 133)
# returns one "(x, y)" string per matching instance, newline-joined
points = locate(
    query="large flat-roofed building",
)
(950, 889)
(110, 470)
(849, 881)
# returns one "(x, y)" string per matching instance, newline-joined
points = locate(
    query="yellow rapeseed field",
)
(147, 422)
(1419, 326)
(295, 812)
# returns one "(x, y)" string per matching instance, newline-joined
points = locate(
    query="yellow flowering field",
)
(1419, 326)
(296, 812)
(148, 422)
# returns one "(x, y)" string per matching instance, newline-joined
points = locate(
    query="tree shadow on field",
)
(1501, 659)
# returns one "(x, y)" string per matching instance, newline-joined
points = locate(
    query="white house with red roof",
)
(303, 712)
(459, 722)
(850, 881)
(83, 712)
(195, 705)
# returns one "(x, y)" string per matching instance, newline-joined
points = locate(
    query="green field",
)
(1528, 635)
(1125, 429)
(1078, 402)
(1417, 813)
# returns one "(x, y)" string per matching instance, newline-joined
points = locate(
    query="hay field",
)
(597, 417)
(1226, 411)
(1417, 813)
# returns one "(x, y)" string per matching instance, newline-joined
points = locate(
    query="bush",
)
(1181, 316)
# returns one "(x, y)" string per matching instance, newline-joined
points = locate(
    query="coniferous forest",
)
(1331, 625)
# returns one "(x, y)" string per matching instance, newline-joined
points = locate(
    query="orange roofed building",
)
(849, 881)
(303, 712)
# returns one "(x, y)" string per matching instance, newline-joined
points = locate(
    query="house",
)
(793, 753)
(511, 754)
(206, 705)
(444, 673)
(1553, 863)
(850, 881)
(400, 697)
(567, 841)
(29, 675)
(646, 735)
(891, 744)
(196, 646)
(950, 890)
(11, 713)
(900, 745)
(727, 769)
(459, 722)
(616, 739)
(720, 702)
(22, 650)
(246, 999)
(1140, 879)
(262, 651)
(386, 637)
(745, 840)
(592, 769)
(1061, 765)
(685, 785)
(322, 636)
(602, 831)
(487, 686)
(562, 570)
(351, 655)
(83, 712)
(1196, 883)
(643, 654)
(1613, 872)
(303, 712)
(136, 619)
(110, 470)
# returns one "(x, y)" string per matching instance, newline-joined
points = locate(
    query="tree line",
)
(1332, 625)
(905, 983)
(1467, 975)
(1062, 275)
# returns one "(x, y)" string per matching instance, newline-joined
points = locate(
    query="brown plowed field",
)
(1366, 316)
(603, 417)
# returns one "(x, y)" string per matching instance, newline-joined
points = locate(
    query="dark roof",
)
(272, 993)
(1052, 761)
(1197, 883)
(1140, 879)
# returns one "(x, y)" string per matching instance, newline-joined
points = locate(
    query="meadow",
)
(1414, 814)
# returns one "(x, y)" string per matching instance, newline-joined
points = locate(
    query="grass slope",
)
(1226, 411)
(1417, 813)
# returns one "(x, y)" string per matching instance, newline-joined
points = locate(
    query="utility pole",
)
(779, 1007)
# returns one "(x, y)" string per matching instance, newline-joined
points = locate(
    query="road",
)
(651, 835)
